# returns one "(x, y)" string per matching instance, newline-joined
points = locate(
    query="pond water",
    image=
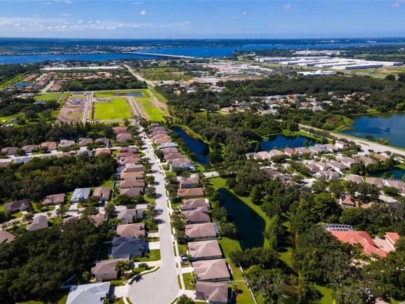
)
(397, 173)
(132, 94)
(391, 127)
(249, 224)
(196, 146)
(282, 141)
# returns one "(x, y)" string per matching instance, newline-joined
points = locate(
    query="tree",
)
(183, 299)
(256, 195)
(150, 179)
(28, 217)
(110, 209)
(151, 192)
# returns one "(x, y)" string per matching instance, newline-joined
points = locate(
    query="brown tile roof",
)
(6, 237)
(132, 175)
(118, 130)
(213, 292)
(211, 270)
(198, 231)
(102, 193)
(190, 192)
(199, 215)
(132, 184)
(194, 204)
(131, 192)
(54, 199)
(131, 230)
(16, 206)
(205, 249)
(103, 151)
(98, 219)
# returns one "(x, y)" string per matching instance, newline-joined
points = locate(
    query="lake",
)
(249, 224)
(391, 127)
(196, 146)
(282, 141)
(397, 173)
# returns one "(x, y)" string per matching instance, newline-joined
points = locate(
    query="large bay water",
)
(193, 48)
(391, 127)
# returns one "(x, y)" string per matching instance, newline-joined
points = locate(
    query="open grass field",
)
(48, 97)
(378, 73)
(116, 109)
(115, 93)
(164, 73)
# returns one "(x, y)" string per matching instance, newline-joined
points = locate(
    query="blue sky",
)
(201, 18)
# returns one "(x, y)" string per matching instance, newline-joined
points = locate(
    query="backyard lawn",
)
(116, 109)
(188, 283)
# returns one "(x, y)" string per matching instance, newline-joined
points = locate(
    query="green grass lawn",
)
(115, 109)
(113, 93)
(159, 96)
(326, 293)
(154, 112)
(8, 118)
(154, 255)
(188, 283)
(48, 96)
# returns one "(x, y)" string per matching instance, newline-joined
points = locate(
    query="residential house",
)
(188, 183)
(366, 160)
(17, 206)
(132, 184)
(30, 148)
(181, 163)
(167, 145)
(6, 237)
(103, 140)
(212, 292)
(400, 185)
(194, 204)
(348, 161)
(97, 219)
(54, 199)
(131, 230)
(354, 178)
(133, 168)
(105, 270)
(361, 238)
(289, 152)
(120, 129)
(9, 151)
(126, 216)
(348, 202)
(273, 153)
(94, 293)
(264, 155)
(172, 156)
(124, 137)
(380, 157)
(38, 223)
(375, 181)
(190, 193)
(197, 216)
(211, 270)
(49, 145)
(303, 150)
(206, 231)
(80, 194)
(102, 193)
(125, 248)
(139, 175)
(170, 151)
(341, 144)
(84, 142)
(322, 165)
(101, 151)
(131, 192)
(337, 166)
(205, 250)
(328, 175)
(64, 143)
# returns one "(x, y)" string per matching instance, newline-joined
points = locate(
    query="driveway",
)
(160, 286)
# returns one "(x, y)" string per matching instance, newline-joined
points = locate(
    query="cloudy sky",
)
(201, 18)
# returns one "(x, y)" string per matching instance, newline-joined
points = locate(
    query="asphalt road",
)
(161, 286)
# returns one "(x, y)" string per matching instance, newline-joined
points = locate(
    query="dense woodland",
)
(38, 132)
(120, 80)
(41, 177)
(10, 105)
(38, 263)
(317, 257)
(9, 71)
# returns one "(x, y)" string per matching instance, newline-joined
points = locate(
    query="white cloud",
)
(287, 6)
(142, 13)
(64, 15)
(397, 3)
(63, 1)
(137, 3)
(174, 24)
(56, 25)
(244, 13)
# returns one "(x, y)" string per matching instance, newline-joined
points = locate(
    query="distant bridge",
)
(164, 55)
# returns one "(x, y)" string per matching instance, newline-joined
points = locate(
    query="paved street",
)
(160, 286)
